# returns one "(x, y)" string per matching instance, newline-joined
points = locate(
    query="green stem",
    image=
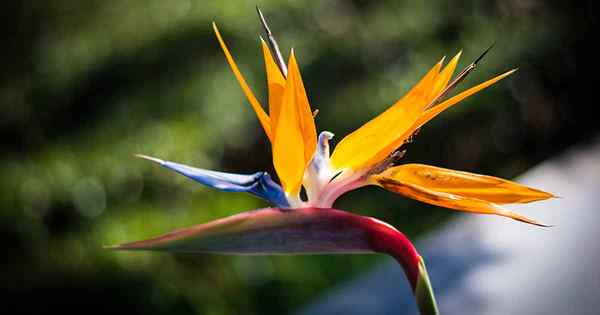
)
(424, 292)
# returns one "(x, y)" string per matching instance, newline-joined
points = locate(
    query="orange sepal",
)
(295, 134)
(371, 142)
(258, 109)
(436, 110)
(275, 83)
(483, 187)
(305, 115)
(447, 200)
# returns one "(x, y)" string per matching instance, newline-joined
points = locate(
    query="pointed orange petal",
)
(275, 83)
(376, 139)
(447, 200)
(260, 113)
(433, 112)
(420, 95)
(444, 77)
(305, 115)
(288, 144)
(488, 188)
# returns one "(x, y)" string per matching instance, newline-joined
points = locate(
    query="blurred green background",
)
(87, 84)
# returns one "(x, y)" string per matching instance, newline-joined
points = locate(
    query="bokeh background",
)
(87, 84)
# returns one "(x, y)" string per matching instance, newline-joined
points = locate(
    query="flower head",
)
(367, 156)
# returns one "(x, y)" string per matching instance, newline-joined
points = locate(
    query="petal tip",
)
(539, 195)
(441, 62)
(149, 158)
(548, 195)
(292, 54)
(530, 221)
(457, 56)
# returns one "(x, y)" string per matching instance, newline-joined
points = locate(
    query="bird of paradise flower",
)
(367, 156)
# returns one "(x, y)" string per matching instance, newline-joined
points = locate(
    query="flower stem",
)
(386, 239)
(424, 292)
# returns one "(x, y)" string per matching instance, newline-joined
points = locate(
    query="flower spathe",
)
(366, 156)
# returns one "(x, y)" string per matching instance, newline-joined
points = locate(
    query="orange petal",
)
(420, 95)
(433, 112)
(288, 144)
(376, 139)
(448, 200)
(305, 115)
(260, 113)
(275, 83)
(444, 77)
(465, 184)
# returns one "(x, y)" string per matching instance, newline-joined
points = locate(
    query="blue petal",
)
(259, 183)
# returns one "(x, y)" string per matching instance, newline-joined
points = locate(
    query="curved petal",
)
(488, 188)
(448, 200)
(258, 109)
(259, 183)
(369, 144)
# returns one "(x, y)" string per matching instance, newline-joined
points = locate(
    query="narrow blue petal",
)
(259, 183)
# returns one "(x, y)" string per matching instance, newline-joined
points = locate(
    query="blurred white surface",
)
(490, 265)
